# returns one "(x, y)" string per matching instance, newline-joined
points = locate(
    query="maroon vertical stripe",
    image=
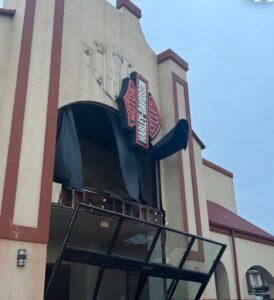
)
(175, 79)
(13, 158)
(7, 229)
(194, 255)
(193, 167)
(180, 161)
(51, 121)
(236, 265)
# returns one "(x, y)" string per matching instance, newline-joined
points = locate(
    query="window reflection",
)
(186, 290)
(93, 231)
(134, 240)
(170, 248)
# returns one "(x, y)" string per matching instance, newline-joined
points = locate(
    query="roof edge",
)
(7, 12)
(213, 226)
(170, 54)
(198, 140)
(217, 168)
(136, 11)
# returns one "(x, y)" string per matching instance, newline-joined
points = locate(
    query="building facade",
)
(104, 190)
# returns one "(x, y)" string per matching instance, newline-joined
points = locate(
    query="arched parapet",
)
(106, 46)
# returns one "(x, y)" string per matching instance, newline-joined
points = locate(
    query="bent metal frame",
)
(146, 267)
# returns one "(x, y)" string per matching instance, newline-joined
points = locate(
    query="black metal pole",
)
(175, 282)
(59, 256)
(214, 265)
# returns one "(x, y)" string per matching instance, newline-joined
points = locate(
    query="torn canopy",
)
(68, 160)
(175, 140)
(129, 161)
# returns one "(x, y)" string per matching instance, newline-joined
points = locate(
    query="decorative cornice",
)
(136, 11)
(217, 168)
(170, 54)
(198, 140)
(7, 12)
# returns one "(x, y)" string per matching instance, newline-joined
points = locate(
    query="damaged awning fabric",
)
(68, 168)
(175, 140)
(128, 158)
(68, 161)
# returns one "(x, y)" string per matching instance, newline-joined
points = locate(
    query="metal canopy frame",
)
(145, 267)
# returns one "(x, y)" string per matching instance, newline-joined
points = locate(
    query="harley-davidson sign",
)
(139, 112)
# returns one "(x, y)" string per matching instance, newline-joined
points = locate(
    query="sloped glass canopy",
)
(119, 257)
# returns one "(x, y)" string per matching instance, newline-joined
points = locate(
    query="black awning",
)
(116, 246)
(68, 159)
(175, 140)
(128, 158)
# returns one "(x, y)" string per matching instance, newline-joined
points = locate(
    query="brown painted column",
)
(11, 176)
(236, 265)
(19, 232)
(51, 121)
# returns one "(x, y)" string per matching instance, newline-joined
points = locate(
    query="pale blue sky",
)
(229, 45)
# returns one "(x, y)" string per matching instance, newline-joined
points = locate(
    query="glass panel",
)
(92, 230)
(170, 248)
(118, 284)
(202, 256)
(155, 289)
(59, 221)
(134, 240)
(73, 281)
(186, 290)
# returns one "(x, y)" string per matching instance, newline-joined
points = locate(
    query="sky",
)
(229, 45)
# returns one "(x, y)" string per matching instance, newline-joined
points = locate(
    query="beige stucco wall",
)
(24, 283)
(10, 40)
(249, 254)
(31, 158)
(219, 188)
(227, 260)
(103, 36)
(117, 33)
(201, 188)
(171, 196)
(112, 33)
(97, 34)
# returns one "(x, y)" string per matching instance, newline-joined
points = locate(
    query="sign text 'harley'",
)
(139, 112)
